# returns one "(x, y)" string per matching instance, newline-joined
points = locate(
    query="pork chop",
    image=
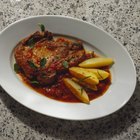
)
(42, 58)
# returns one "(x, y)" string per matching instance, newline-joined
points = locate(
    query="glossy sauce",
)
(60, 92)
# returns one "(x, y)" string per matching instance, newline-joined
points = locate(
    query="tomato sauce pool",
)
(60, 92)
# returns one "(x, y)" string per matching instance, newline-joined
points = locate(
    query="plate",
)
(123, 71)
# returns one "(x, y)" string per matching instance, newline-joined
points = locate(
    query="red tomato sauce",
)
(58, 91)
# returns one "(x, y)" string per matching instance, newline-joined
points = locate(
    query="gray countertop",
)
(121, 18)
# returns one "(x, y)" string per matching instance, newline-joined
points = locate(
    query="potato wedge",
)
(93, 87)
(77, 90)
(84, 75)
(101, 74)
(96, 62)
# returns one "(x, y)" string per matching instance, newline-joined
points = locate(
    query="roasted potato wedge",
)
(101, 74)
(96, 62)
(77, 90)
(93, 87)
(84, 75)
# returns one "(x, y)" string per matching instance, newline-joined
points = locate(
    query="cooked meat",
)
(42, 58)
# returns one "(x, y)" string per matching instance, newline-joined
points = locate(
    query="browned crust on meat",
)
(55, 52)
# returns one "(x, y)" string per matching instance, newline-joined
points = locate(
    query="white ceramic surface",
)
(123, 71)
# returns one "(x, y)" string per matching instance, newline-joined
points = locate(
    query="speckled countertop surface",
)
(121, 18)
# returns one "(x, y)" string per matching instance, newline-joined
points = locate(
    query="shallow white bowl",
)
(123, 71)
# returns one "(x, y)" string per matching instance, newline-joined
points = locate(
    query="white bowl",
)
(123, 71)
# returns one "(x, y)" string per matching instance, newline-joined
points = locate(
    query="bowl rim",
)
(72, 18)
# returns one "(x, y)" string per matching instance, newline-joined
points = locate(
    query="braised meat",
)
(41, 57)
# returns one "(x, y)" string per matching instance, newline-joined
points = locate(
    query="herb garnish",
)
(82, 90)
(99, 74)
(32, 65)
(82, 79)
(16, 68)
(43, 62)
(65, 64)
(34, 82)
(31, 43)
(42, 27)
